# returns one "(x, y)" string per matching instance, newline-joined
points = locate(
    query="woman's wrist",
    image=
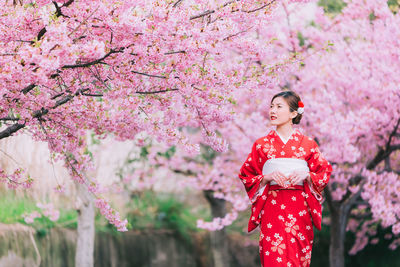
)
(309, 177)
(264, 180)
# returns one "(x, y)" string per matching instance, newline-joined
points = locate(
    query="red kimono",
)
(286, 215)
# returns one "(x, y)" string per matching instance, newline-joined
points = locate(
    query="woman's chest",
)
(296, 148)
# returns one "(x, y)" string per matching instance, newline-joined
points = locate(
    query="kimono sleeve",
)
(251, 173)
(320, 169)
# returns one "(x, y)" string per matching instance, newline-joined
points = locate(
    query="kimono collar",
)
(274, 132)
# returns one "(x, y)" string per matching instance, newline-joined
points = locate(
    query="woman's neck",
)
(285, 130)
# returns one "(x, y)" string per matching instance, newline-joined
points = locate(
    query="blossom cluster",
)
(46, 210)
(111, 215)
(16, 179)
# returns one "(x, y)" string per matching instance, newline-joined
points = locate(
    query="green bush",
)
(163, 211)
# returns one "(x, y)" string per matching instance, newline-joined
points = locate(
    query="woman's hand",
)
(276, 176)
(298, 176)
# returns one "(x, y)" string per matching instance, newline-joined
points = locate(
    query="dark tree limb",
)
(177, 3)
(383, 153)
(97, 61)
(205, 13)
(9, 119)
(175, 52)
(11, 129)
(259, 8)
(149, 75)
(156, 92)
(38, 114)
(28, 88)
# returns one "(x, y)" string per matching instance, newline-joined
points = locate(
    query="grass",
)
(13, 209)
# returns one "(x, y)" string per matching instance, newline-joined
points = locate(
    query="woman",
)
(284, 176)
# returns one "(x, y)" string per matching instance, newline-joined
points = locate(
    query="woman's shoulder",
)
(265, 138)
(308, 140)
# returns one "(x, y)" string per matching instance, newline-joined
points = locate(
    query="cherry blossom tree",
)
(352, 103)
(356, 117)
(215, 172)
(345, 69)
(120, 68)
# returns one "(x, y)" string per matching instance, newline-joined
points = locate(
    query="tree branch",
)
(177, 3)
(9, 119)
(11, 129)
(392, 134)
(28, 88)
(384, 153)
(87, 64)
(58, 9)
(350, 201)
(175, 52)
(259, 8)
(236, 34)
(37, 115)
(67, 3)
(205, 13)
(88, 94)
(149, 75)
(155, 92)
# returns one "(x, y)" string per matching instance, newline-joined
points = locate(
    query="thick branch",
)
(58, 9)
(9, 119)
(58, 14)
(350, 201)
(392, 134)
(97, 61)
(28, 88)
(205, 13)
(67, 3)
(175, 52)
(384, 153)
(37, 115)
(381, 155)
(11, 129)
(40, 113)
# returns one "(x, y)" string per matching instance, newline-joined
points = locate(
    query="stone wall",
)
(22, 246)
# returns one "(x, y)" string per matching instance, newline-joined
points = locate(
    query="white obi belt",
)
(285, 166)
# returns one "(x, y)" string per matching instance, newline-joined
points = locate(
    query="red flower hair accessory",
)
(300, 110)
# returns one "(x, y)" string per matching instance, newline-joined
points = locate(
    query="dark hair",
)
(293, 101)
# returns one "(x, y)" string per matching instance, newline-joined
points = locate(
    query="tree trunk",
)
(218, 238)
(339, 211)
(84, 256)
(339, 216)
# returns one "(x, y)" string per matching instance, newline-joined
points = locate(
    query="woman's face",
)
(279, 112)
